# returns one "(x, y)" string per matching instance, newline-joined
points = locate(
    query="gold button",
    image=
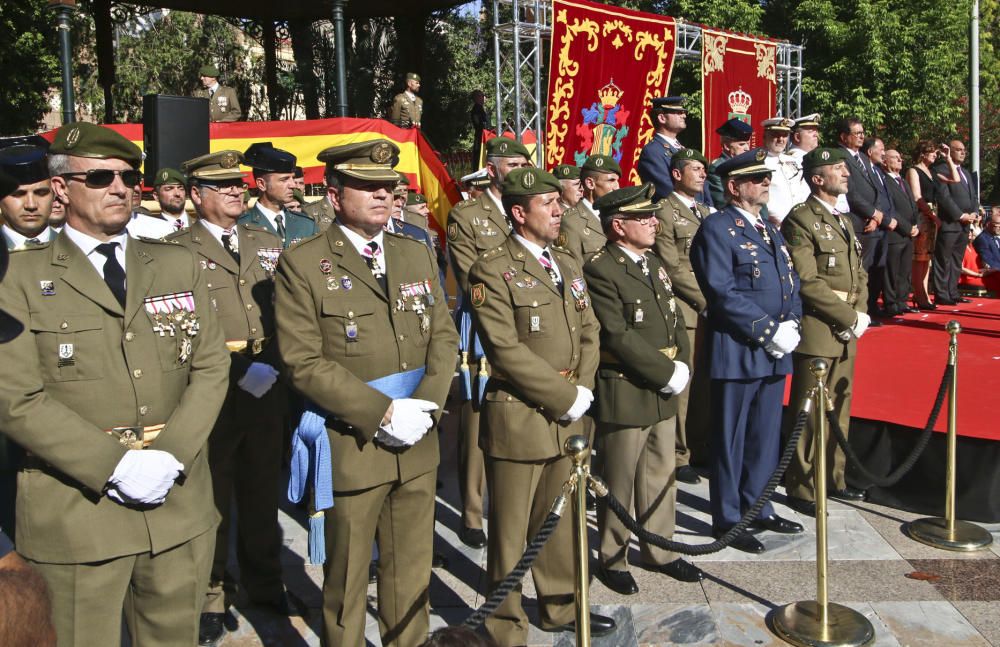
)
(253, 331)
(638, 301)
(402, 337)
(137, 373)
(509, 398)
(534, 304)
(129, 336)
(572, 328)
(350, 314)
(209, 285)
(64, 325)
(403, 366)
(143, 410)
(249, 306)
(243, 281)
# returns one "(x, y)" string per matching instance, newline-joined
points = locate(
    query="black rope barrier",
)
(925, 436)
(659, 541)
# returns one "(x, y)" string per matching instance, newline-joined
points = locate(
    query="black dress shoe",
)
(926, 306)
(744, 542)
(911, 309)
(620, 582)
(472, 537)
(848, 494)
(963, 300)
(945, 302)
(687, 474)
(802, 506)
(599, 626)
(211, 629)
(774, 523)
(681, 571)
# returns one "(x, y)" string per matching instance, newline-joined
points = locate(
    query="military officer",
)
(669, 117)
(680, 216)
(171, 193)
(273, 172)
(26, 209)
(805, 136)
(407, 107)
(415, 210)
(734, 135)
(245, 447)
(475, 226)
(223, 104)
(752, 293)
(364, 332)
(644, 365)
(473, 184)
(321, 211)
(834, 288)
(788, 188)
(540, 334)
(581, 231)
(569, 177)
(113, 411)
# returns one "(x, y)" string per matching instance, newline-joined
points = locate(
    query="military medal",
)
(173, 314)
(535, 324)
(831, 262)
(66, 355)
(346, 283)
(351, 331)
(325, 266)
(639, 316)
(739, 222)
(331, 283)
(48, 288)
(756, 272)
(268, 259)
(578, 288)
(212, 265)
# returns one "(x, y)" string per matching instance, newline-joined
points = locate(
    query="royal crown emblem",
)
(609, 95)
(604, 126)
(739, 107)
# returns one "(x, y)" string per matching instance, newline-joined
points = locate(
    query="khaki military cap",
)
(82, 139)
(223, 165)
(627, 202)
(530, 181)
(368, 160)
(602, 164)
(506, 147)
(169, 176)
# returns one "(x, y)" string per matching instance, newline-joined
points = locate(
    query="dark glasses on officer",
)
(99, 178)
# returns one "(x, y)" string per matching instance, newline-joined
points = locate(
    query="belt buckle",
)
(671, 352)
(255, 346)
(130, 437)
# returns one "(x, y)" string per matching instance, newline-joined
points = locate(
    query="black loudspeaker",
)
(174, 130)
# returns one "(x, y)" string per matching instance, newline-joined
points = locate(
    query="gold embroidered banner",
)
(738, 80)
(606, 64)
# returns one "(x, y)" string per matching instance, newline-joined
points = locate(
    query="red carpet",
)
(899, 367)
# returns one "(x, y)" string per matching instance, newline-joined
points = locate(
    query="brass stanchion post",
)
(819, 622)
(949, 533)
(577, 448)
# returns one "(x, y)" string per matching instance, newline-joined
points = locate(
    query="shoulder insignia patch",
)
(477, 293)
(452, 231)
(561, 240)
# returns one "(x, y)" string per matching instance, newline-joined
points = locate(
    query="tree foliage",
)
(29, 64)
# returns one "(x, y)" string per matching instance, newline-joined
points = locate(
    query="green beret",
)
(168, 175)
(415, 198)
(567, 172)
(687, 155)
(506, 147)
(627, 202)
(413, 76)
(822, 157)
(602, 164)
(82, 139)
(214, 167)
(530, 181)
(368, 160)
(299, 197)
(209, 70)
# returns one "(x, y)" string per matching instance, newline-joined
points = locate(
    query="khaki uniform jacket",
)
(531, 332)
(474, 227)
(242, 295)
(223, 105)
(640, 321)
(580, 233)
(834, 287)
(115, 371)
(406, 112)
(322, 212)
(338, 330)
(678, 225)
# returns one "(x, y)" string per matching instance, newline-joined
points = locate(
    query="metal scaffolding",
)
(521, 39)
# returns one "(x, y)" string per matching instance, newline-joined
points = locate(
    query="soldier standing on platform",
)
(581, 231)
(112, 390)
(475, 226)
(532, 307)
(644, 365)
(223, 105)
(752, 292)
(407, 107)
(834, 288)
(734, 135)
(274, 173)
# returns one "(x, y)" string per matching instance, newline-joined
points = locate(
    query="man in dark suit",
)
(899, 251)
(274, 174)
(987, 245)
(734, 135)
(669, 119)
(752, 291)
(958, 208)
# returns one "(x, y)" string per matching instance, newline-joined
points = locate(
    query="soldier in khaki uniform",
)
(112, 393)
(581, 231)
(572, 189)
(475, 226)
(827, 257)
(223, 104)
(245, 447)
(321, 211)
(532, 307)
(680, 216)
(416, 210)
(355, 305)
(407, 107)
(644, 365)
(171, 192)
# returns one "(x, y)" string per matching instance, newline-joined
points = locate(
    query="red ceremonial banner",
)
(738, 81)
(606, 65)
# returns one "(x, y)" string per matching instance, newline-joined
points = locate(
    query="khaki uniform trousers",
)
(523, 493)
(244, 454)
(692, 423)
(400, 516)
(161, 596)
(638, 467)
(840, 380)
(471, 467)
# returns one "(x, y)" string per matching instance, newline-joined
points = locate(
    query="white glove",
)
(584, 397)
(144, 476)
(785, 339)
(861, 325)
(410, 420)
(678, 380)
(258, 379)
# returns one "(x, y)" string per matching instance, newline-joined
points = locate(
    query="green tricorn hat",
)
(530, 181)
(506, 147)
(567, 172)
(627, 202)
(688, 155)
(169, 175)
(82, 139)
(602, 164)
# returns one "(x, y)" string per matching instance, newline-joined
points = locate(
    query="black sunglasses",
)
(99, 178)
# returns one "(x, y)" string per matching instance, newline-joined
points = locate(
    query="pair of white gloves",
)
(410, 421)
(144, 476)
(858, 329)
(786, 339)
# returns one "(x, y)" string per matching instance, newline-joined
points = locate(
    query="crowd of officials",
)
(173, 365)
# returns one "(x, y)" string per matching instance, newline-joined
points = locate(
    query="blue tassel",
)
(317, 539)
(483, 378)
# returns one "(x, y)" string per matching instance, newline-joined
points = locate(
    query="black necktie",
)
(230, 242)
(114, 273)
(280, 220)
(372, 254)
